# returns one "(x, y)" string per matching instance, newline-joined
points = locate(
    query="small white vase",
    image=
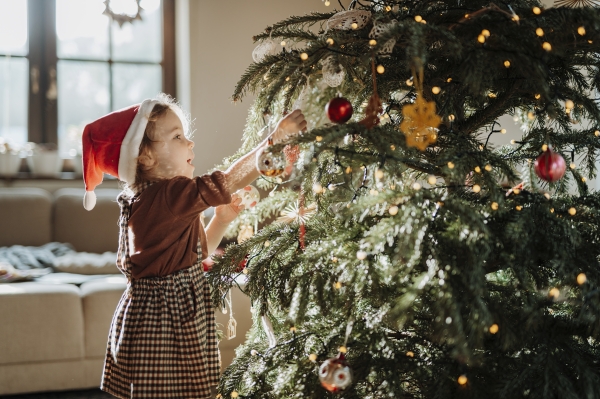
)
(45, 163)
(9, 164)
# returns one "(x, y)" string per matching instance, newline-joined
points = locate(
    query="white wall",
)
(221, 47)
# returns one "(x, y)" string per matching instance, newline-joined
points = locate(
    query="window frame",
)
(42, 126)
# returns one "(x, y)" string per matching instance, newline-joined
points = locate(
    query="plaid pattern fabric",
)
(162, 341)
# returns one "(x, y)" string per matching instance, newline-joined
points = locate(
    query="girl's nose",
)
(191, 144)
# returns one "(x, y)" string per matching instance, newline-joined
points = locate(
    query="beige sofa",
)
(53, 331)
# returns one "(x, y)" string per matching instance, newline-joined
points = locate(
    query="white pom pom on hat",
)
(89, 200)
(111, 145)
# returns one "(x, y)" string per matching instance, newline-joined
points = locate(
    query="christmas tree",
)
(402, 253)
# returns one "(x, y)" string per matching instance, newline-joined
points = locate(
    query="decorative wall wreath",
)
(122, 18)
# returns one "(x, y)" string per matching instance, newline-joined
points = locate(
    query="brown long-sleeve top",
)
(165, 225)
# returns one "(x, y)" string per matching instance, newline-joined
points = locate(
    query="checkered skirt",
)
(162, 341)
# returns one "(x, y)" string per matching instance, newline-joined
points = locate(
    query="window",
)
(63, 64)
(14, 67)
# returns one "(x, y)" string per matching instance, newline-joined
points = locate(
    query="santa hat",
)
(111, 145)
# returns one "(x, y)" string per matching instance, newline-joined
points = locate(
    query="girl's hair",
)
(165, 103)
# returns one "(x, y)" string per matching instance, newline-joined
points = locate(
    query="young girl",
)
(162, 341)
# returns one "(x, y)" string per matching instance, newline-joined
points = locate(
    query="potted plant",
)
(10, 161)
(45, 160)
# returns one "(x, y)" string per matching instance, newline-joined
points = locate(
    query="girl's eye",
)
(178, 136)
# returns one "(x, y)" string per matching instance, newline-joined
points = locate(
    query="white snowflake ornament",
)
(345, 19)
(378, 30)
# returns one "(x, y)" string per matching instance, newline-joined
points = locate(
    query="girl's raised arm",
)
(243, 171)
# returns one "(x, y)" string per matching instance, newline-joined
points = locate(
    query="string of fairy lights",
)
(554, 292)
(485, 35)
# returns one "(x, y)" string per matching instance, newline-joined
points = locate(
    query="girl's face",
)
(172, 152)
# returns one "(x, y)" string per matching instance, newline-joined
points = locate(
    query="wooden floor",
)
(87, 394)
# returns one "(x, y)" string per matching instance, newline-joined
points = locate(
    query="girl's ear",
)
(146, 160)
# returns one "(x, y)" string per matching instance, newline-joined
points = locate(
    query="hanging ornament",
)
(374, 105)
(333, 72)
(123, 11)
(245, 233)
(292, 153)
(268, 328)
(550, 166)
(420, 120)
(297, 213)
(300, 214)
(339, 110)
(268, 162)
(264, 48)
(232, 323)
(242, 264)
(299, 103)
(378, 29)
(350, 19)
(249, 195)
(335, 374)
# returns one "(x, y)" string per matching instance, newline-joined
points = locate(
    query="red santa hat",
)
(111, 145)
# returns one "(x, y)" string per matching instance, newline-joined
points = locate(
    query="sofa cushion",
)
(87, 263)
(58, 375)
(88, 231)
(26, 216)
(40, 322)
(100, 298)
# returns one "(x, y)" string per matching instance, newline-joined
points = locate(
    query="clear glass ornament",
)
(267, 47)
(270, 163)
(345, 19)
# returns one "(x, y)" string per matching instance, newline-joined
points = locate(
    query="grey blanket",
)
(27, 258)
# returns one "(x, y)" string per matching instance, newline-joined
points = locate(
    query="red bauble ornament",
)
(339, 110)
(208, 263)
(550, 166)
(242, 264)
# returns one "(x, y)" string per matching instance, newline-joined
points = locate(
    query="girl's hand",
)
(227, 213)
(289, 126)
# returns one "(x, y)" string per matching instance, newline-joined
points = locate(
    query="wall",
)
(220, 51)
